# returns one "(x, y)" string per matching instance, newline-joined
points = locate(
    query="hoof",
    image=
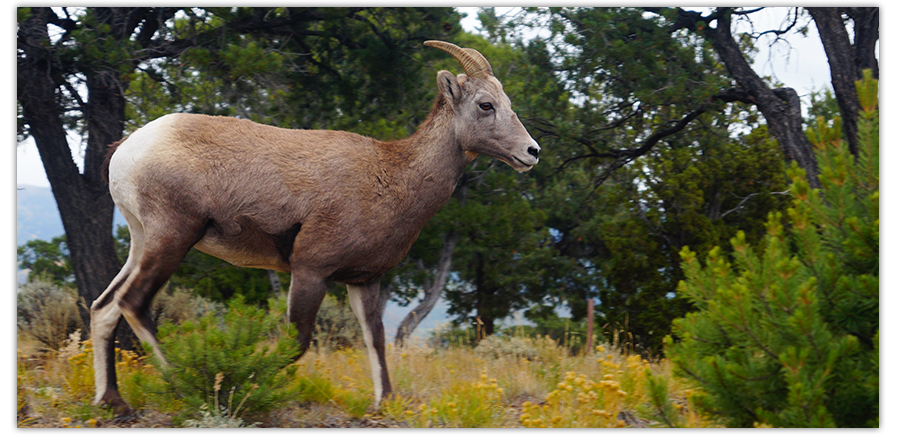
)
(118, 405)
(124, 418)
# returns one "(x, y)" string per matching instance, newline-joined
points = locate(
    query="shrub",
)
(786, 335)
(239, 362)
(499, 346)
(47, 312)
(336, 326)
(215, 419)
(181, 305)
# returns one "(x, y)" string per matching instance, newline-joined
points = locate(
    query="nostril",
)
(534, 151)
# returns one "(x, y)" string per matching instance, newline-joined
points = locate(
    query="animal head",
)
(485, 122)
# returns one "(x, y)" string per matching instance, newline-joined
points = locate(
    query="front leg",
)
(364, 302)
(306, 293)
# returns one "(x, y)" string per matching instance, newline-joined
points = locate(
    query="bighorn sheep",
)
(326, 206)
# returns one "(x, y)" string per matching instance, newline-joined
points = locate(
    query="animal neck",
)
(434, 153)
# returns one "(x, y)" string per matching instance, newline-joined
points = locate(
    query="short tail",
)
(110, 150)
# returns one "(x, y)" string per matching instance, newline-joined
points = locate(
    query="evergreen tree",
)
(238, 365)
(48, 260)
(633, 168)
(786, 333)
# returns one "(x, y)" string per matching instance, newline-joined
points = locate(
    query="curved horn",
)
(473, 62)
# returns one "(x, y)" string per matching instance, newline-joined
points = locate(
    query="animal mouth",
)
(524, 166)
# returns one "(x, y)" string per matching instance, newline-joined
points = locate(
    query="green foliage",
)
(241, 362)
(658, 393)
(607, 81)
(48, 260)
(822, 104)
(498, 227)
(358, 69)
(787, 334)
(215, 279)
(180, 305)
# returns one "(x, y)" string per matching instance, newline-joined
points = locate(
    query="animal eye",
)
(486, 106)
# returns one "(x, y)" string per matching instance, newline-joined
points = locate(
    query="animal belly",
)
(244, 251)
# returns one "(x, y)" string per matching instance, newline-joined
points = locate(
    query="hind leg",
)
(105, 317)
(154, 256)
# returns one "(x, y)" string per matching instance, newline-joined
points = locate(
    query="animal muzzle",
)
(525, 161)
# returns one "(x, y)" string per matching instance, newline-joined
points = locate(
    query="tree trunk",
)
(781, 107)
(847, 62)
(84, 203)
(484, 320)
(433, 291)
(274, 281)
(865, 38)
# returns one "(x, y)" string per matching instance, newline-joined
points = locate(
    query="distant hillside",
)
(36, 214)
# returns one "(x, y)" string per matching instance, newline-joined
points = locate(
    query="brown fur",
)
(323, 205)
(110, 150)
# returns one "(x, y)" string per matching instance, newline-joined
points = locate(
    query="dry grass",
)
(504, 382)
(449, 387)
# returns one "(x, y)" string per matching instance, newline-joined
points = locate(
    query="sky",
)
(801, 64)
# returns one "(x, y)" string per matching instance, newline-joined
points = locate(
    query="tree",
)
(781, 106)
(433, 287)
(500, 241)
(786, 332)
(847, 60)
(633, 168)
(75, 68)
(49, 260)
(662, 99)
(48, 74)
(587, 30)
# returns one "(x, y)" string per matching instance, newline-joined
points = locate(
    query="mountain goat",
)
(325, 206)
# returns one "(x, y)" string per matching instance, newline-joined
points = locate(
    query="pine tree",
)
(238, 366)
(786, 332)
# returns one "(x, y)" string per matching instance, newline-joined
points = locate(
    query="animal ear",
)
(449, 86)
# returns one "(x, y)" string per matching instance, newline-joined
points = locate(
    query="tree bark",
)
(781, 110)
(847, 62)
(865, 38)
(84, 202)
(433, 291)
